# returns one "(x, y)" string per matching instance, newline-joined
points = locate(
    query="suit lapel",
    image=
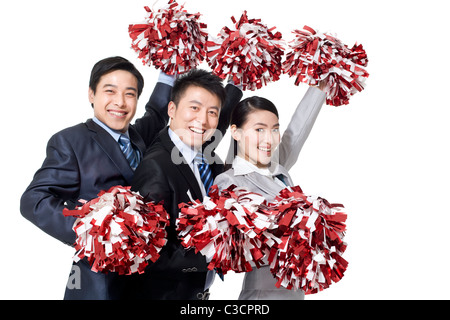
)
(183, 168)
(190, 178)
(263, 183)
(112, 150)
(137, 140)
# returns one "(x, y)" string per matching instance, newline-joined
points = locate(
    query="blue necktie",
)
(281, 177)
(205, 171)
(128, 151)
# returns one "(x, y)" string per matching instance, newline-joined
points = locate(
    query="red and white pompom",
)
(170, 38)
(227, 228)
(309, 256)
(250, 53)
(118, 231)
(316, 57)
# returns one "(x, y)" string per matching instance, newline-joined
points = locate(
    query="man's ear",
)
(91, 95)
(171, 108)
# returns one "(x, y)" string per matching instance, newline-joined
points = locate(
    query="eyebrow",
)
(195, 101)
(114, 86)
(199, 103)
(265, 125)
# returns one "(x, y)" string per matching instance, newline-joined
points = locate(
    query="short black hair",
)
(200, 78)
(112, 64)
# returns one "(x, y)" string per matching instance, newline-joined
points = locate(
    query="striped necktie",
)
(128, 151)
(205, 171)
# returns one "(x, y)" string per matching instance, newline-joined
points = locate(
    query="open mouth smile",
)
(119, 114)
(196, 130)
(265, 149)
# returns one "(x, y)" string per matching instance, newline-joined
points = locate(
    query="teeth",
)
(119, 114)
(197, 130)
(264, 149)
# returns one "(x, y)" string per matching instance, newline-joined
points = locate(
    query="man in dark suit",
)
(84, 159)
(173, 172)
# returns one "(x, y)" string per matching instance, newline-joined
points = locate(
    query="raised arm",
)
(299, 127)
(233, 96)
(155, 117)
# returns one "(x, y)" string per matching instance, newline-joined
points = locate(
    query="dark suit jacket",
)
(178, 273)
(81, 161)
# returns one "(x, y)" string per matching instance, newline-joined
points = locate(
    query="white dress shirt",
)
(189, 154)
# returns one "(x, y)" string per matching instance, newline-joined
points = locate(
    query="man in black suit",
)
(84, 159)
(171, 172)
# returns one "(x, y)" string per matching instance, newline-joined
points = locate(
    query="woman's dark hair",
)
(199, 78)
(112, 64)
(240, 113)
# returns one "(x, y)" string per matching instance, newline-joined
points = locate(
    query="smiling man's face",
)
(115, 99)
(196, 116)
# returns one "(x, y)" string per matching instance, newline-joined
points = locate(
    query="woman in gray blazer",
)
(260, 162)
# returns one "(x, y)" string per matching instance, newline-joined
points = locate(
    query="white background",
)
(384, 156)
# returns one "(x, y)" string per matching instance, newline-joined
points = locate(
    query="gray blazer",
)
(259, 284)
(255, 182)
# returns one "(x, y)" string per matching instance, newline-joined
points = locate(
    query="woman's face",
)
(258, 138)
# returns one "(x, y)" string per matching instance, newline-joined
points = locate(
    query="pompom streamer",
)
(316, 57)
(249, 53)
(300, 237)
(312, 230)
(118, 231)
(228, 228)
(170, 39)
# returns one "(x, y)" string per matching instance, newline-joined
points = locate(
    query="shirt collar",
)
(187, 152)
(243, 167)
(114, 133)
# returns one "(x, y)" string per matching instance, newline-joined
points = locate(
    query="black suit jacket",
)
(178, 273)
